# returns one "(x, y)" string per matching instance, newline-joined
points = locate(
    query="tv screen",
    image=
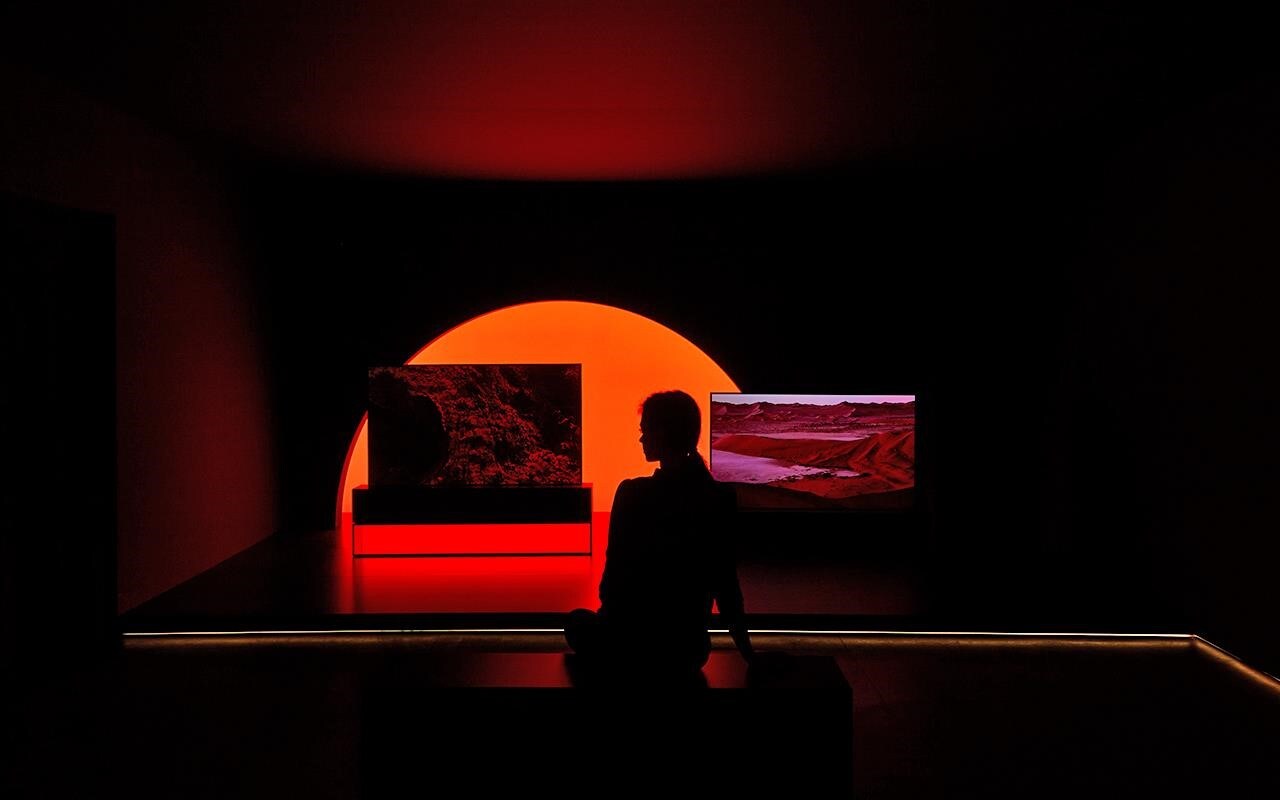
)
(475, 425)
(832, 452)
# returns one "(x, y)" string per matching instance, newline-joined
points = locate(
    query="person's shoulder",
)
(633, 486)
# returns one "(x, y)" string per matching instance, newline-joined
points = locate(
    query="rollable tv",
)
(816, 452)
(474, 460)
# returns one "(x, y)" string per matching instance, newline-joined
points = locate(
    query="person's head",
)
(669, 426)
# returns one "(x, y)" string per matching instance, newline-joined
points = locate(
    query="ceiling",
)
(586, 90)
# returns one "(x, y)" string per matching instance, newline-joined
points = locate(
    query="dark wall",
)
(57, 420)
(194, 443)
(1173, 332)
(745, 269)
(1075, 310)
(888, 277)
(1071, 265)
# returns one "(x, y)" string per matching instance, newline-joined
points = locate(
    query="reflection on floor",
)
(313, 576)
(933, 717)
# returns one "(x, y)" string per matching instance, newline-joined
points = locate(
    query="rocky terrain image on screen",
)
(815, 451)
(475, 425)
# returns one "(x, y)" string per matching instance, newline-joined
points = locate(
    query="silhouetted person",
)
(670, 555)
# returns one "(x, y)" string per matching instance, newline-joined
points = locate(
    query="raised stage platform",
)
(313, 582)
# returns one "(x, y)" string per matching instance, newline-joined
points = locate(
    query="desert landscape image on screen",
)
(815, 451)
(475, 425)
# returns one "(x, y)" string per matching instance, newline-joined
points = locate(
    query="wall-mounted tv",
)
(475, 425)
(816, 452)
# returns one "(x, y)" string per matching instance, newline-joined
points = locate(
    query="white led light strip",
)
(1263, 677)
(762, 631)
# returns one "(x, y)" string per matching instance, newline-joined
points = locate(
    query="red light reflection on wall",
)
(550, 89)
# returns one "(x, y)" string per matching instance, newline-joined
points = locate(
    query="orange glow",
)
(625, 357)
(445, 540)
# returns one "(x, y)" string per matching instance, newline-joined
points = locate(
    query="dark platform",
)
(780, 729)
(287, 716)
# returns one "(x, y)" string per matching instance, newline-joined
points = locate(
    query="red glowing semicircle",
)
(625, 357)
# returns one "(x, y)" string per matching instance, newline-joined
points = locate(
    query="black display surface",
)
(397, 505)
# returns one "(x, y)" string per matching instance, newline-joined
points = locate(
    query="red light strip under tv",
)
(542, 538)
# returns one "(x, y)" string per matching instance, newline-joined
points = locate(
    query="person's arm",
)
(728, 591)
(732, 609)
(725, 584)
(619, 519)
